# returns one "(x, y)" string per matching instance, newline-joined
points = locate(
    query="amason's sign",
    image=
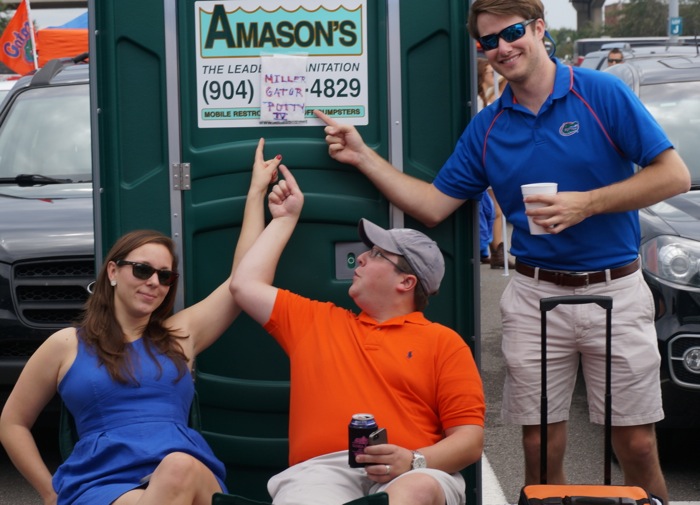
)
(272, 63)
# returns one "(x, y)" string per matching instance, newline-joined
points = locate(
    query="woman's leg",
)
(179, 479)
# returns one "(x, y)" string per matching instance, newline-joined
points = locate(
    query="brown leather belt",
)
(576, 279)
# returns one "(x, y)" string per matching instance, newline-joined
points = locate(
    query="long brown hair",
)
(481, 65)
(101, 331)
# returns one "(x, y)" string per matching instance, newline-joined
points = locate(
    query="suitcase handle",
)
(547, 304)
(591, 500)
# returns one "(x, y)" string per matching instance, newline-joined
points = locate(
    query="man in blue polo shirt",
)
(585, 131)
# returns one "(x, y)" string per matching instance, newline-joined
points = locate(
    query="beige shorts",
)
(328, 480)
(576, 333)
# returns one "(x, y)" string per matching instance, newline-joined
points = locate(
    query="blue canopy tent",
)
(77, 22)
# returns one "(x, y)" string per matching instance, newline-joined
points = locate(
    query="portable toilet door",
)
(180, 101)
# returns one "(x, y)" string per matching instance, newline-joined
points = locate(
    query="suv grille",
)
(679, 373)
(51, 293)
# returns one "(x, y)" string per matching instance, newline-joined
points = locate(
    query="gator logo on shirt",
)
(569, 128)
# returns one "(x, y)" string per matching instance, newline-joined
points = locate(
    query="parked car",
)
(598, 60)
(587, 45)
(669, 86)
(46, 233)
(6, 85)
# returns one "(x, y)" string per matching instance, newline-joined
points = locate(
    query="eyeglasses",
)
(509, 34)
(144, 272)
(614, 61)
(374, 252)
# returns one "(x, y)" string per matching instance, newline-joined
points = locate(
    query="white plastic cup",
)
(539, 188)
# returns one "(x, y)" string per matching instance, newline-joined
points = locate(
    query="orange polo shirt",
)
(417, 377)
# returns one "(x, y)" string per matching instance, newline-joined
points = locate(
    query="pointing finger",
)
(259, 156)
(325, 118)
(291, 181)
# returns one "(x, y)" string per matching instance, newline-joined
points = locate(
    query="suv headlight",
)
(691, 359)
(673, 260)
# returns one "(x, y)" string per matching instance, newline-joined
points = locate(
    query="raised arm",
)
(252, 283)
(205, 321)
(416, 197)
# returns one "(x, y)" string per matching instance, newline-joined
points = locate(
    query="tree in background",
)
(6, 12)
(564, 39)
(649, 18)
(641, 18)
(689, 10)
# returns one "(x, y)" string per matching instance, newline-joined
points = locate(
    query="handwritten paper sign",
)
(283, 88)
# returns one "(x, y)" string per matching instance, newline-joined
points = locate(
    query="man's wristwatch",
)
(418, 461)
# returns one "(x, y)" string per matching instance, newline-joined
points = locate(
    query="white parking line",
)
(492, 493)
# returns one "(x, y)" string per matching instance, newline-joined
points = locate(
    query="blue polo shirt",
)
(590, 133)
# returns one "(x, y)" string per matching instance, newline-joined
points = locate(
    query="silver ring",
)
(388, 469)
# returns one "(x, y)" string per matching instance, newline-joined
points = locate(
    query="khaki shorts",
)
(577, 333)
(328, 480)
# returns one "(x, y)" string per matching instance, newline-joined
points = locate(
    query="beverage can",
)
(361, 426)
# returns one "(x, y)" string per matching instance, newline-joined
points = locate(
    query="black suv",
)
(669, 86)
(46, 231)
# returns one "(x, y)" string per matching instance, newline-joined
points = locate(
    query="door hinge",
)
(181, 176)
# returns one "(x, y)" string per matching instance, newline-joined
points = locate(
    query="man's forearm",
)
(252, 283)
(416, 197)
(463, 446)
(665, 177)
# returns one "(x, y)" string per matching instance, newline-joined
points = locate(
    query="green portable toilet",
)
(180, 101)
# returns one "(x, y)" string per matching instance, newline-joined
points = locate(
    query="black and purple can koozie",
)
(361, 426)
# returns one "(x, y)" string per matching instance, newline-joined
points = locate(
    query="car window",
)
(594, 60)
(5, 87)
(47, 132)
(676, 106)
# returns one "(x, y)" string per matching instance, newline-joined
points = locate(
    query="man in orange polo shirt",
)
(417, 378)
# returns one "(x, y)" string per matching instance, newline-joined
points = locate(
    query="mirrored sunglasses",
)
(144, 272)
(509, 34)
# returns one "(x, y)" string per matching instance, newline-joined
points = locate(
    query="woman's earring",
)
(113, 282)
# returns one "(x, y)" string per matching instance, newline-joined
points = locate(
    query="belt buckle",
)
(581, 275)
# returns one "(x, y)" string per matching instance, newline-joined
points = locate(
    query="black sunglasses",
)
(614, 60)
(144, 272)
(509, 34)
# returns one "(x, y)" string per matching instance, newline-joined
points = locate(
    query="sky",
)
(558, 13)
(561, 14)
(54, 17)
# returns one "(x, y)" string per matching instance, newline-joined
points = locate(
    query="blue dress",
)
(125, 430)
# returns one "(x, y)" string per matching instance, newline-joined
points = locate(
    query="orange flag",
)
(16, 46)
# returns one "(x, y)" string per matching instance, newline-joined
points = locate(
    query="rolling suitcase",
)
(586, 494)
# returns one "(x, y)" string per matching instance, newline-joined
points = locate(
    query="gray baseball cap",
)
(420, 251)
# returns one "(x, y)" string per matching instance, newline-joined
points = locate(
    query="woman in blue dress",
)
(125, 374)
